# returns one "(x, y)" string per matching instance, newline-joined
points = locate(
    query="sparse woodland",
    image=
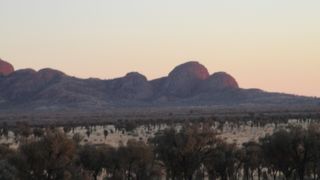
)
(183, 150)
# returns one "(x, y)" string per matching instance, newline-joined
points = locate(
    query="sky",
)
(269, 44)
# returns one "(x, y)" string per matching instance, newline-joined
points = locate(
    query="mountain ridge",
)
(188, 84)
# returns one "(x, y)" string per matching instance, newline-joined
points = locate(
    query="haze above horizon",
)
(273, 45)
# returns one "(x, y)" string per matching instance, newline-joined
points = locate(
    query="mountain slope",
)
(189, 84)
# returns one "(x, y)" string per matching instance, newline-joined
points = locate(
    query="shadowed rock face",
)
(48, 74)
(5, 68)
(219, 81)
(134, 86)
(185, 78)
(25, 83)
(189, 84)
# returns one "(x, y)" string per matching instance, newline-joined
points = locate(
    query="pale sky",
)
(269, 44)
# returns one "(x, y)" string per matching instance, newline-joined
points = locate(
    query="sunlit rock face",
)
(185, 78)
(5, 68)
(219, 81)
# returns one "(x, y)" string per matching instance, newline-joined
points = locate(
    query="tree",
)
(252, 159)
(24, 129)
(222, 161)
(38, 132)
(183, 152)
(90, 159)
(5, 151)
(5, 130)
(88, 133)
(301, 145)
(105, 133)
(7, 171)
(278, 152)
(77, 138)
(49, 158)
(136, 158)
(94, 158)
(314, 137)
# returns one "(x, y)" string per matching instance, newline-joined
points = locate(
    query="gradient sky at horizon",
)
(268, 44)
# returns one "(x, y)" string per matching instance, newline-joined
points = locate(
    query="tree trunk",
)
(251, 175)
(129, 173)
(314, 173)
(211, 176)
(95, 176)
(287, 176)
(246, 174)
(301, 172)
(223, 177)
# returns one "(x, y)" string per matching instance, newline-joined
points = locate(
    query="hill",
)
(188, 84)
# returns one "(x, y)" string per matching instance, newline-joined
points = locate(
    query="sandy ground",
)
(230, 133)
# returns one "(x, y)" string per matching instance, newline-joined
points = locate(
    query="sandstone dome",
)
(49, 74)
(219, 81)
(135, 76)
(5, 68)
(133, 86)
(185, 78)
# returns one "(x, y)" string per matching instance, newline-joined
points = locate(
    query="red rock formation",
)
(133, 86)
(185, 78)
(25, 82)
(5, 68)
(188, 84)
(219, 81)
(48, 74)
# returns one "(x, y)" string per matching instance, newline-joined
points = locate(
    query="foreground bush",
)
(193, 152)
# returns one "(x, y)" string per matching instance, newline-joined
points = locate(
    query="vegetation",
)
(192, 150)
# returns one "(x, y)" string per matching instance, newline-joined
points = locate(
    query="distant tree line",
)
(259, 117)
(194, 152)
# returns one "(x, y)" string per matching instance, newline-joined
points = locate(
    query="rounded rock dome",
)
(219, 81)
(185, 78)
(5, 68)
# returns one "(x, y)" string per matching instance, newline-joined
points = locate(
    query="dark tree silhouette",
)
(136, 159)
(48, 158)
(91, 158)
(183, 152)
(7, 171)
(252, 159)
(222, 161)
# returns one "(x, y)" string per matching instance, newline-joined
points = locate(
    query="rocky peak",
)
(219, 81)
(185, 78)
(5, 68)
(49, 74)
(132, 86)
(24, 72)
(135, 76)
(190, 69)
